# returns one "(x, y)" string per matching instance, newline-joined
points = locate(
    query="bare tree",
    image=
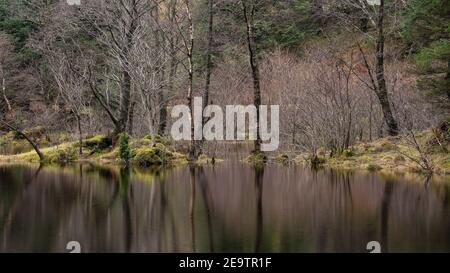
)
(71, 80)
(182, 27)
(189, 45)
(209, 51)
(377, 73)
(248, 9)
(118, 27)
(422, 158)
(382, 91)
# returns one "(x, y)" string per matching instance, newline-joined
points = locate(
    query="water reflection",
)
(225, 208)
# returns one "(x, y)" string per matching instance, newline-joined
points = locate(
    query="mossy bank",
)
(145, 152)
(398, 154)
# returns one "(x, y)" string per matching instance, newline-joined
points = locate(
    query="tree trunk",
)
(190, 49)
(382, 92)
(125, 103)
(80, 135)
(248, 16)
(159, 41)
(4, 94)
(131, 119)
(209, 63)
(172, 70)
(209, 66)
(126, 79)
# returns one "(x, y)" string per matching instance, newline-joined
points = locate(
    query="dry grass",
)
(391, 153)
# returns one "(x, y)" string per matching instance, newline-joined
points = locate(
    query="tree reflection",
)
(15, 206)
(126, 194)
(385, 206)
(206, 194)
(109, 209)
(192, 205)
(259, 182)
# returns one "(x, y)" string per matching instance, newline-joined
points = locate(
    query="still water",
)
(231, 207)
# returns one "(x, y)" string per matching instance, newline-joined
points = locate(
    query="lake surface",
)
(231, 207)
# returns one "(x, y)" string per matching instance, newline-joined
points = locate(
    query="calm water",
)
(228, 208)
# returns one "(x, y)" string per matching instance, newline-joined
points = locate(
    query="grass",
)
(391, 153)
(99, 149)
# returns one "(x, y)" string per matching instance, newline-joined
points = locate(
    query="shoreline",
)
(391, 154)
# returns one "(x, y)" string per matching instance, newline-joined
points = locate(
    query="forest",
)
(360, 83)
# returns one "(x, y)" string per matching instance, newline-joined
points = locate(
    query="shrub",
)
(124, 147)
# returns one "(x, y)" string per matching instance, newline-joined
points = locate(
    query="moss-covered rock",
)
(147, 157)
(97, 143)
(158, 139)
(145, 142)
(65, 154)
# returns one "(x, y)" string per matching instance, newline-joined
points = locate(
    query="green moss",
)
(158, 139)
(347, 153)
(98, 148)
(147, 157)
(97, 143)
(145, 142)
(124, 147)
(156, 155)
(65, 154)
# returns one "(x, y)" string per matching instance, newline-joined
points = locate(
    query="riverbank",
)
(399, 154)
(145, 152)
